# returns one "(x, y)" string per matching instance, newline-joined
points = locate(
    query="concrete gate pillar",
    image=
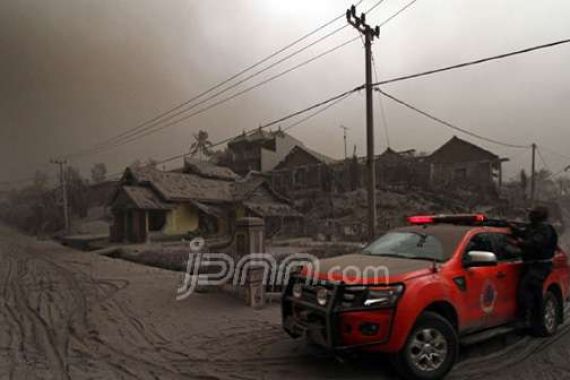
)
(250, 239)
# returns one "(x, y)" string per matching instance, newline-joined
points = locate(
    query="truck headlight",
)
(298, 290)
(383, 296)
(322, 296)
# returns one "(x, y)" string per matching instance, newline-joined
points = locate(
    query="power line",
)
(181, 110)
(555, 152)
(411, 76)
(397, 13)
(518, 155)
(543, 160)
(430, 72)
(376, 76)
(448, 124)
(381, 104)
(228, 98)
(328, 103)
(425, 73)
(317, 112)
(561, 171)
(148, 129)
(471, 63)
(401, 78)
(397, 79)
(167, 115)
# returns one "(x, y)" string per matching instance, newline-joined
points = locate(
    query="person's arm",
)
(535, 243)
(517, 231)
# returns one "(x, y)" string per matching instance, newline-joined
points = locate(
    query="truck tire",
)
(430, 350)
(549, 317)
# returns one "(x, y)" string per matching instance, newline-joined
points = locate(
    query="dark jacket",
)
(538, 241)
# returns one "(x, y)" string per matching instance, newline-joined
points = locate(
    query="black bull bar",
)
(321, 324)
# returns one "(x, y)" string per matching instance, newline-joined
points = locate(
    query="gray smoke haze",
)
(75, 72)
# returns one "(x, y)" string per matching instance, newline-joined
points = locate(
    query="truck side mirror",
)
(475, 259)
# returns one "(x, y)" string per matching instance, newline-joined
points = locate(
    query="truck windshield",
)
(410, 245)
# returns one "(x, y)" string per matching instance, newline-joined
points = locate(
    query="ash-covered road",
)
(73, 315)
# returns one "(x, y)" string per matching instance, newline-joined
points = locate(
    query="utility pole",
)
(344, 128)
(61, 164)
(359, 23)
(533, 176)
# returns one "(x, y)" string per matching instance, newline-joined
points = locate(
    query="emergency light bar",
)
(451, 219)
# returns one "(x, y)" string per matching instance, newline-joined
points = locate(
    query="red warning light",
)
(480, 217)
(421, 219)
(460, 219)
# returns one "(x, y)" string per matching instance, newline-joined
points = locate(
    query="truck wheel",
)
(549, 317)
(430, 351)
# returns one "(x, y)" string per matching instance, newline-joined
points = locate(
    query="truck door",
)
(508, 274)
(481, 287)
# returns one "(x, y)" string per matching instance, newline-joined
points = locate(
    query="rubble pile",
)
(344, 216)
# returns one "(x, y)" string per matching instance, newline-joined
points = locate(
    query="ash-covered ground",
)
(66, 314)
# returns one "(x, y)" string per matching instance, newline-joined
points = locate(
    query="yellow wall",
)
(240, 212)
(181, 220)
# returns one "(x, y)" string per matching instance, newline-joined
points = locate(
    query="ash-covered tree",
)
(34, 208)
(98, 173)
(202, 146)
(76, 192)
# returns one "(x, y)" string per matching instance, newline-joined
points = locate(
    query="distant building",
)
(401, 168)
(200, 199)
(303, 172)
(461, 164)
(258, 151)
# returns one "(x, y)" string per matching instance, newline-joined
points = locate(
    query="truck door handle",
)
(501, 275)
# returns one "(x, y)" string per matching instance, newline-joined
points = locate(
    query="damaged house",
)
(199, 199)
(459, 164)
(303, 172)
(258, 151)
(403, 169)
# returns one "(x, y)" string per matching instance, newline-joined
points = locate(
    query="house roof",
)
(244, 188)
(210, 209)
(319, 156)
(143, 198)
(256, 135)
(184, 187)
(208, 169)
(458, 150)
(303, 150)
(262, 135)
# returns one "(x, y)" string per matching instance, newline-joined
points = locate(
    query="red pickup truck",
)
(419, 292)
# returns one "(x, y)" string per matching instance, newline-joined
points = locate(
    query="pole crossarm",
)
(360, 23)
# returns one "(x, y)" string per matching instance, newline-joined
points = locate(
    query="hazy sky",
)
(76, 72)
